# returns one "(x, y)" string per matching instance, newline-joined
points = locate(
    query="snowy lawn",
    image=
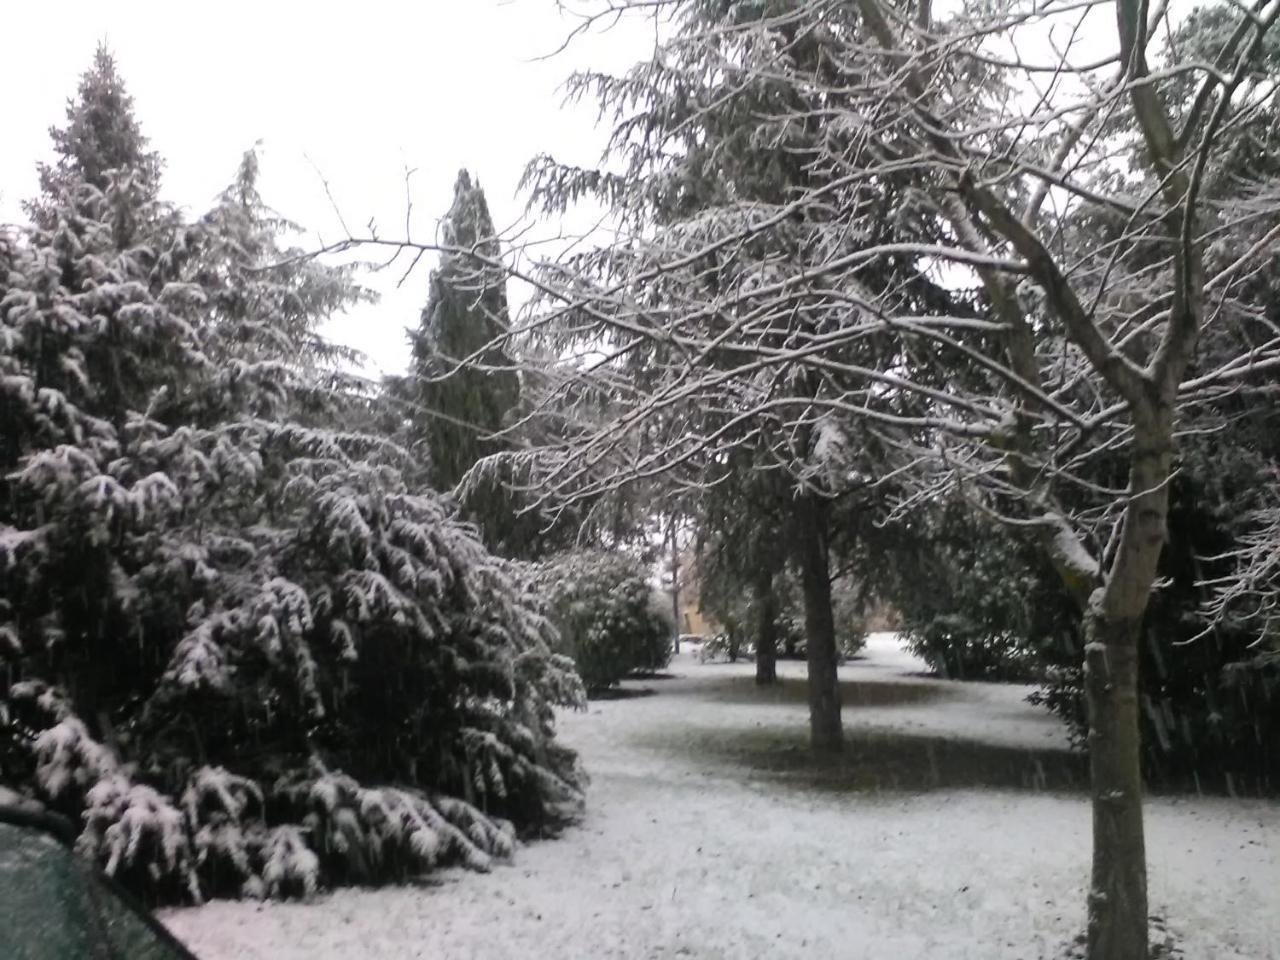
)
(955, 828)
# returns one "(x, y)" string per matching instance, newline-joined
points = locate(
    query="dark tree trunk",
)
(766, 629)
(826, 735)
(1113, 624)
(1118, 888)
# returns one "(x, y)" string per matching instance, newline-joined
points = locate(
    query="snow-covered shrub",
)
(654, 649)
(603, 608)
(729, 647)
(213, 597)
(976, 603)
(847, 604)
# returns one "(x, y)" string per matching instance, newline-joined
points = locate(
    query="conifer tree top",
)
(101, 135)
(468, 223)
(466, 311)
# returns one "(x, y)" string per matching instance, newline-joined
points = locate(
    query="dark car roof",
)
(55, 906)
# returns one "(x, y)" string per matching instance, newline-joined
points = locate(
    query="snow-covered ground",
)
(711, 835)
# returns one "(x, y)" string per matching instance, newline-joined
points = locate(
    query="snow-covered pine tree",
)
(221, 616)
(265, 299)
(709, 142)
(102, 135)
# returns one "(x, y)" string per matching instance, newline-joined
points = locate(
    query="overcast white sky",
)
(360, 90)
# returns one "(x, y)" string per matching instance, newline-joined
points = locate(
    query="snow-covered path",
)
(711, 835)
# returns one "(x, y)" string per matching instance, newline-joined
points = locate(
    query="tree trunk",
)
(675, 585)
(826, 735)
(1113, 625)
(766, 630)
(1118, 888)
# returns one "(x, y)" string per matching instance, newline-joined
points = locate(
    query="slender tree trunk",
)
(1118, 888)
(826, 734)
(766, 629)
(1113, 625)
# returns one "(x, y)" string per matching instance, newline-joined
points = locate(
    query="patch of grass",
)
(880, 760)
(620, 693)
(853, 693)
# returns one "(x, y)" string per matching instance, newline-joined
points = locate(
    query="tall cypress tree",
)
(460, 408)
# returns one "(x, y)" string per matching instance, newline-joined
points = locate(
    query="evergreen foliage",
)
(848, 611)
(978, 602)
(102, 135)
(463, 390)
(221, 615)
(608, 618)
(465, 385)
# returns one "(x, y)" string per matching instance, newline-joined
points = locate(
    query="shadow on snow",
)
(878, 760)
(853, 693)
